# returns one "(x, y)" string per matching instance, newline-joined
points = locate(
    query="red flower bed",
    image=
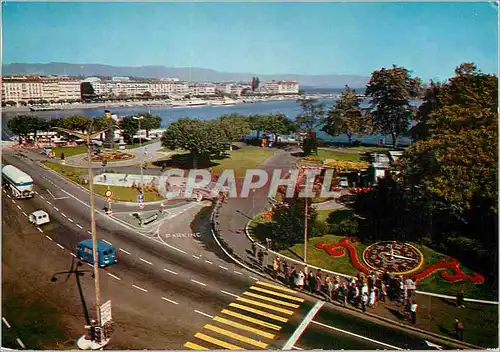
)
(449, 264)
(339, 249)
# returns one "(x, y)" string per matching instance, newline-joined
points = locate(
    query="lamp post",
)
(88, 137)
(140, 145)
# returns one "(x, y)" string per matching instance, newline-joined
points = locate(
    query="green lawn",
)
(123, 194)
(82, 149)
(367, 149)
(242, 159)
(325, 154)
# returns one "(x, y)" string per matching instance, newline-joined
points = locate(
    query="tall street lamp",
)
(140, 145)
(88, 137)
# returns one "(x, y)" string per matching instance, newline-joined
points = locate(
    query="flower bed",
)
(339, 249)
(112, 156)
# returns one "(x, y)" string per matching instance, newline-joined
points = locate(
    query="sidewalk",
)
(436, 315)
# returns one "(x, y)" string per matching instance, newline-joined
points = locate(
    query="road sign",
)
(106, 313)
(109, 193)
(141, 205)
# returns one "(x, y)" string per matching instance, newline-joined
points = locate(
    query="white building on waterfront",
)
(26, 89)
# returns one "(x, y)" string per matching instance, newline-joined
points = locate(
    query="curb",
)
(348, 276)
(371, 315)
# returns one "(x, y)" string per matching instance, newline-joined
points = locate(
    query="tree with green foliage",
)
(311, 117)
(233, 126)
(288, 223)
(203, 139)
(150, 122)
(346, 116)
(87, 91)
(23, 125)
(129, 127)
(391, 91)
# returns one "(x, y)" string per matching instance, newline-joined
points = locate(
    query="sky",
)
(430, 39)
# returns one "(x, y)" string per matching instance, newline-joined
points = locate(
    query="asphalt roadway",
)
(164, 294)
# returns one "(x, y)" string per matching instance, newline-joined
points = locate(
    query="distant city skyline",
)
(430, 39)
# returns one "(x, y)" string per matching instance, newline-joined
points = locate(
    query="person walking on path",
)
(286, 272)
(413, 311)
(300, 281)
(371, 299)
(459, 329)
(276, 267)
(261, 257)
(364, 300)
(254, 249)
(293, 279)
(460, 299)
(329, 288)
(319, 283)
(266, 260)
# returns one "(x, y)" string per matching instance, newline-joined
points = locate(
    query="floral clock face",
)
(395, 257)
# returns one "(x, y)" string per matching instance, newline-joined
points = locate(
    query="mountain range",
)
(193, 74)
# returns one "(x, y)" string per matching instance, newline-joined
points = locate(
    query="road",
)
(167, 292)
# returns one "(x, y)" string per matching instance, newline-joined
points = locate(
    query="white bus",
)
(19, 182)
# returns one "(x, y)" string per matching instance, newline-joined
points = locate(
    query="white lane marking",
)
(205, 314)
(42, 196)
(64, 215)
(91, 265)
(196, 257)
(114, 276)
(124, 251)
(90, 233)
(50, 193)
(49, 238)
(356, 335)
(208, 262)
(13, 201)
(170, 271)
(107, 242)
(9, 196)
(71, 220)
(49, 203)
(39, 229)
(223, 267)
(58, 245)
(229, 293)
(237, 272)
(145, 261)
(177, 249)
(56, 208)
(297, 348)
(140, 288)
(25, 214)
(20, 343)
(80, 226)
(18, 207)
(169, 300)
(6, 322)
(253, 278)
(199, 283)
(303, 325)
(74, 255)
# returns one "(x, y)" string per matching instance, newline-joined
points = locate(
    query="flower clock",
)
(399, 258)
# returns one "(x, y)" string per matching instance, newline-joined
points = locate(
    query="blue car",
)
(105, 253)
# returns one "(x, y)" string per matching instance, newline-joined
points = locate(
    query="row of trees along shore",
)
(24, 125)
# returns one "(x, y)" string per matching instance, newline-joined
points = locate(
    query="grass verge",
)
(121, 194)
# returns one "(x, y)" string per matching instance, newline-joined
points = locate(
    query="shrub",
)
(322, 228)
(349, 227)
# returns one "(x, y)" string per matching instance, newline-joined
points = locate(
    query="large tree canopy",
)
(22, 125)
(233, 126)
(202, 139)
(391, 91)
(346, 116)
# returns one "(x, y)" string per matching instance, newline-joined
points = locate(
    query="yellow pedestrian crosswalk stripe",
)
(269, 299)
(235, 336)
(238, 324)
(275, 286)
(263, 305)
(259, 312)
(251, 320)
(244, 327)
(292, 298)
(217, 342)
(194, 346)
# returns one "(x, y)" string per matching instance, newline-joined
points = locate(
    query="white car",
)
(39, 217)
